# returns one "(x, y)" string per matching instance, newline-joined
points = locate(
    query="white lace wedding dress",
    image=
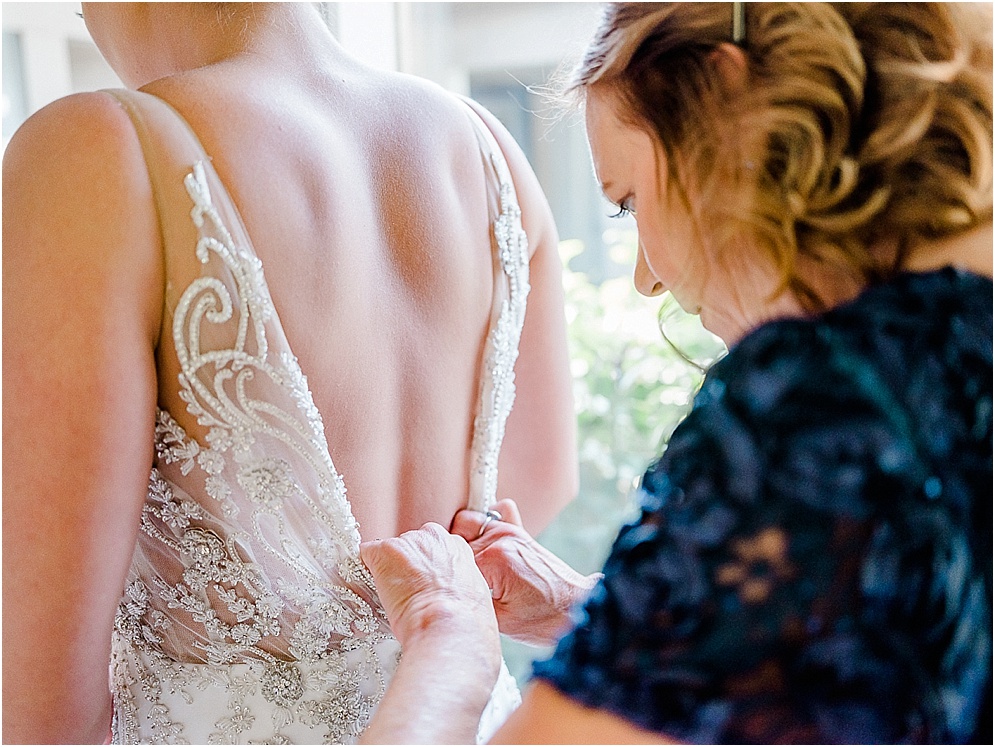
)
(248, 616)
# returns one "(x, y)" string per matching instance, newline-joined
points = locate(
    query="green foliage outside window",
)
(631, 389)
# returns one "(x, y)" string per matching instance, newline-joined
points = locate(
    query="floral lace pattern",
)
(813, 563)
(248, 616)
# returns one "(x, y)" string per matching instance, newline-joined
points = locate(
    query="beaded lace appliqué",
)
(319, 607)
(251, 597)
(498, 380)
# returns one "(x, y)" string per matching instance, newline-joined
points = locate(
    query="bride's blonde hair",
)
(860, 125)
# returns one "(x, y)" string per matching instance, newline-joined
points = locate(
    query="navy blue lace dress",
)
(813, 562)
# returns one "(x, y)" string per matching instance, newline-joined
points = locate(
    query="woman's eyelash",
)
(622, 211)
(624, 207)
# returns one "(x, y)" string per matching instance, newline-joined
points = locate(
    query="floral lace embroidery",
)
(238, 613)
(230, 604)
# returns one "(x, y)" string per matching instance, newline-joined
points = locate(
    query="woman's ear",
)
(729, 62)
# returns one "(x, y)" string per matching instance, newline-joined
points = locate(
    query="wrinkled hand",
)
(430, 588)
(533, 589)
(440, 610)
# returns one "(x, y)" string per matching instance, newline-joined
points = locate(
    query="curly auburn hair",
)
(860, 125)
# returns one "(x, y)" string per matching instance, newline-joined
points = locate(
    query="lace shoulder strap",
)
(228, 377)
(510, 250)
(182, 178)
(171, 149)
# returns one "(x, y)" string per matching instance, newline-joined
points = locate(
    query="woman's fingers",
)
(426, 575)
(533, 590)
(467, 524)
(472, 525)
(509, 511)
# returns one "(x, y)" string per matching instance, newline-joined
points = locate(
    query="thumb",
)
(370, 553)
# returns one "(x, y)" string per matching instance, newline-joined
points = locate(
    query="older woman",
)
(813, 562)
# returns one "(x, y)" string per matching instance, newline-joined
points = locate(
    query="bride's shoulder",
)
(79, 124)
(73, 149)
(77, 201)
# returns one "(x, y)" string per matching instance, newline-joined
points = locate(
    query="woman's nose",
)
(643, 278)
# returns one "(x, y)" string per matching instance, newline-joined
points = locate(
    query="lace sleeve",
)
(791, 578)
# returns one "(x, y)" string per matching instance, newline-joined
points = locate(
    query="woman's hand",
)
(428, 585)
(440, 610)
(533, 589)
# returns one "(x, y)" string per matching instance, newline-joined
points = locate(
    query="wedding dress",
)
(247, 615)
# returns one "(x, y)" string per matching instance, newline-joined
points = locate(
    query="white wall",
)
(368, 31)
(522, 34)
(57, 58)
(48, 33)
(449, 42)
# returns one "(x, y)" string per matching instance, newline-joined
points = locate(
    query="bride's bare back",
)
(364, 196)
(369, 214)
